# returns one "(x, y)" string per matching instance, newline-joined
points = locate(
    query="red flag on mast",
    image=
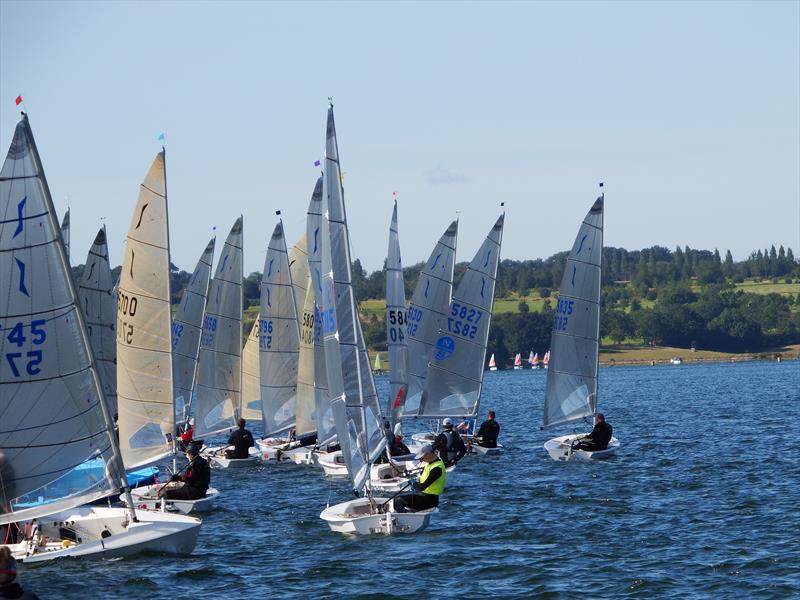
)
(18, 101)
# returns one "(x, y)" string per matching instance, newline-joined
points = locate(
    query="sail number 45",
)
(17, 337)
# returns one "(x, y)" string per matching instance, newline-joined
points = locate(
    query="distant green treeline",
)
(683, 298)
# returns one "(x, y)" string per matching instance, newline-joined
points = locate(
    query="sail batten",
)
(571, 392)
(52, 392)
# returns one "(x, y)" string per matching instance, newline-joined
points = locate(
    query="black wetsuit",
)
(598, 439)
(398, 448)
(15, 591)
(196, 480)
(450, 446)
(488, 432)
(242, 441)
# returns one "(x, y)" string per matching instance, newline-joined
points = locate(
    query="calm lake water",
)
(701, 501)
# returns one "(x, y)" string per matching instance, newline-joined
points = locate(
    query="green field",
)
(767, 287)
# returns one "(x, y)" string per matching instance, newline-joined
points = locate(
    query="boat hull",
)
(333, 464)
(146, 498)
(483, 451)
(216, 456)
(357, 517)
(274, 449)
(559, 448)
(155, 531)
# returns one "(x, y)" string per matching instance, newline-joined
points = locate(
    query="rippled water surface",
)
(700, 501)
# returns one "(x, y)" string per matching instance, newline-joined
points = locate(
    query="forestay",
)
(97, 303)
(187, 327)
(323, 415)
(53, 419)
(353, 399)
(144, 327)
(219, 370)
(453, 388)
(396, 326)
(571, 392)
(279, 339)
(429, 304)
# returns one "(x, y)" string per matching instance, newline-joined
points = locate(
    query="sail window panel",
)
(576, 399)
(215, 410)
(445, 397)
(576, 317)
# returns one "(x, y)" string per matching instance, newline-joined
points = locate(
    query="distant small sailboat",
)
(377, 367)
(676, 360)
(492, 363)
(518, 362)
(546, 359)
(535, 361)
(530, 359)
(571, 392)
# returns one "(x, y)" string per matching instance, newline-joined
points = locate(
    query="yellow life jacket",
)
(437, 487)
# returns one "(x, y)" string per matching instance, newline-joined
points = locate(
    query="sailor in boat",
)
(8, 572)
(398, 448)
(187, 437)
(449, 445)
(430, 483)
(488, 432)
(598, 439)
(196, 480)
(242, 440)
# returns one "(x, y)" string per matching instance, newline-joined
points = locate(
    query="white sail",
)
(571, 392)
(144, 328)
(301, 282)
(65, 232)
(323, 414)
(187, 327)
(396, 326)
(54, 419)
(219, 368)
(354, 401)
(95, 290)
(453, 387)
(251, 376)
(279, 339)
(429, 304)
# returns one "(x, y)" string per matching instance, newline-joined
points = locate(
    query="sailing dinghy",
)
(219, 365)
(492, 363)
(571, 392)
(50, 392)
(518, 362)
(352, 389)
(145, 342)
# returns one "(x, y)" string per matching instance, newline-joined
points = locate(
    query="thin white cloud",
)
(442, 176)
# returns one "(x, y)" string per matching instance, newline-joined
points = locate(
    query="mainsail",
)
(54, 418)
(219, 370)
(323, 416)
(97, 303)
(187, 327)
(144, 328)
(353, 398)
(428, 306)
(453, 387)
(279, 339)
(301, 282)
(251, 376)
(396, 326)
(571, 392)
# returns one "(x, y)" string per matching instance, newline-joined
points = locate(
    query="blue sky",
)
(689, 112)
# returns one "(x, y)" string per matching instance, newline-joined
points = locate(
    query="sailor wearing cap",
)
(449, 445)
(430, 483)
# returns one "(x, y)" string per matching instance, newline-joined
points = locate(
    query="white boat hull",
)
(559, 448)
(333, 464)
(483, 451)
(357, 516)
(216, 456)
(155, 531)
(274, 449)
(146, 498)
